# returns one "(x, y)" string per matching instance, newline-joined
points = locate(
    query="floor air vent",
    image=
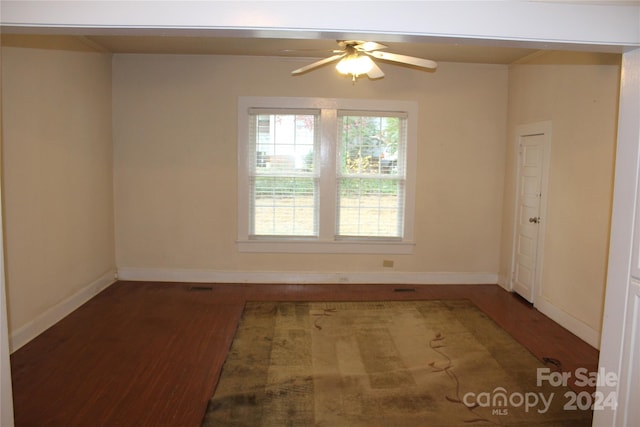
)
(200, 288)
(404, 290)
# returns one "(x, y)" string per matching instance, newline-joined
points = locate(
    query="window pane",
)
(370, 145)
(284, 206)
(370, 207)
(284, 143)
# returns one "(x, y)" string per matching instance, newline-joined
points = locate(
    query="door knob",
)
(534, 219)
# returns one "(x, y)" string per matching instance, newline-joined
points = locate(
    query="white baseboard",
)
(26, 333)
(565, 320)
(570, 323)
(503, 282)
(289, 277)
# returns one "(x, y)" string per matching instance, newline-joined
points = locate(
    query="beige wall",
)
(175, 161)
(173, 136)
(581, 103)
(57, 176)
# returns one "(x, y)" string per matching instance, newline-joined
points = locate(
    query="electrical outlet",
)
(387, 263)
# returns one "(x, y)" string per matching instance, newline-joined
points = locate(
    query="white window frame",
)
(326, 242)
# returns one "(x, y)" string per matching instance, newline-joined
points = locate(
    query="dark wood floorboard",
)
(150, 354)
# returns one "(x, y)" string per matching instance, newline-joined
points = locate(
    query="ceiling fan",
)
(355, 59)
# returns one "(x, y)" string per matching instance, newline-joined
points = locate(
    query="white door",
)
(531, 158)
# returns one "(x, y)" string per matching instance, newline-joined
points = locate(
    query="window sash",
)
(370, 199)
(283, 176)
(370, 208)
(283, 206)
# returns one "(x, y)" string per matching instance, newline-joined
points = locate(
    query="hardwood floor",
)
(149, 354)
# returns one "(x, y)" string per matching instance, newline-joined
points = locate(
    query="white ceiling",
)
(439, 50)
(313, 48)
(471, 31)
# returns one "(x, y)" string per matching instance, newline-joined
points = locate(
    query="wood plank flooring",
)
(150, 354)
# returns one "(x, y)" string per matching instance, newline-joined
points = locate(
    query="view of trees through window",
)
(286, 178)
(370, 193)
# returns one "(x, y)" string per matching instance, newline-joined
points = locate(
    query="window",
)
(283, 184)
(371, 174)
(325, 175)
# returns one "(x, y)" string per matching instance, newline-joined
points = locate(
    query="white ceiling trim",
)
(523, 24)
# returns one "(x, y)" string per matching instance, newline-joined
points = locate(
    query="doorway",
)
(533, 150)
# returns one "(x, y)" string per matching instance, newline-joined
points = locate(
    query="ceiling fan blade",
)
(412, 60)
(369, 46)
(375, 72)
(318, 63)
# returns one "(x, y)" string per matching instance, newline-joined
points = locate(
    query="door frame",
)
(523, 130)
(620, 335)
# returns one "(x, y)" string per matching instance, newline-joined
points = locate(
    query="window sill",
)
(326, 247)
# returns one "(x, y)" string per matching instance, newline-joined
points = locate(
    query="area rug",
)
(399, 363)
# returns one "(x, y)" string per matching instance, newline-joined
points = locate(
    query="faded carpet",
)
(398, 363)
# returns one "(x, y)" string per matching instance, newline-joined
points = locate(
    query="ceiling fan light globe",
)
(355, 65)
